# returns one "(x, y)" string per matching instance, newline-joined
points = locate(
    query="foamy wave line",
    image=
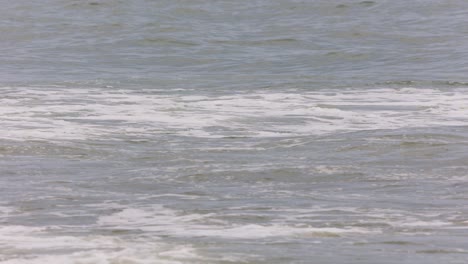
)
(77, 114)
(31, 245)
(168, 222)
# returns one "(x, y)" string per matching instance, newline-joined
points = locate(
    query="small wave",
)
(416, 83)
(167, 41)
(277, 41)
(23, 244)
(79, 114)
(165, 221)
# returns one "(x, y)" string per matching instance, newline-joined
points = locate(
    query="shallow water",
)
(233, 132)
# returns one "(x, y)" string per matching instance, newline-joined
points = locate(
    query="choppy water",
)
(233, 131)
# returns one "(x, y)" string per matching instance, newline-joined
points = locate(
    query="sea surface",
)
(233, 131)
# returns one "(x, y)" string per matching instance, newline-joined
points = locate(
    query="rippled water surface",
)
(233, 132)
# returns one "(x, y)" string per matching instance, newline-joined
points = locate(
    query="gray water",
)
(256, 131)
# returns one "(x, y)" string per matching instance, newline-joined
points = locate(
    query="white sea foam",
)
(6, 210)
(66, 114)
(22, 244)
(31, 245)
(421, 224)
(169, 222)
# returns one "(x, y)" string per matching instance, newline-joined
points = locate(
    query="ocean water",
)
(203, 131)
